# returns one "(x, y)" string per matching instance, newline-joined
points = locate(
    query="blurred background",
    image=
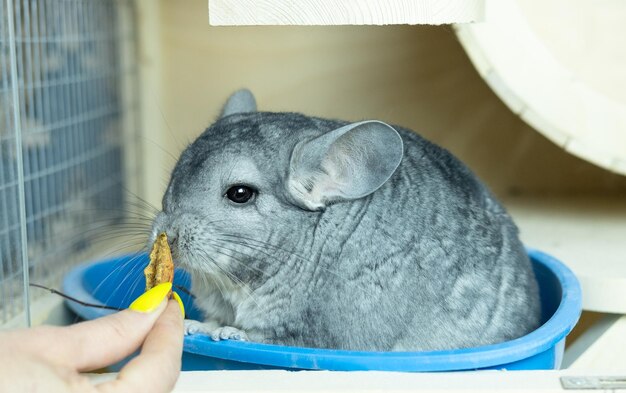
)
(98, 99)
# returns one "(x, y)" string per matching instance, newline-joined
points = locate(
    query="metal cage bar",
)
(65, 117)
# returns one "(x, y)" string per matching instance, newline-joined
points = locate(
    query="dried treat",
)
(161, 266)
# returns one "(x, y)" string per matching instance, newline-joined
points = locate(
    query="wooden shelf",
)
(343, 12)
(588, 234)
(366, 381)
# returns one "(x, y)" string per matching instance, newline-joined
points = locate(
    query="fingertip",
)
(160, 355)
(151, 299)
(97, 343)
(180, 303)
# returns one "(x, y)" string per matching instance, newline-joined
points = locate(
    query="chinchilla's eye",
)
(240, 193)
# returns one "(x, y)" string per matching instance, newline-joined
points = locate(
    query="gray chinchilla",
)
(323, 233)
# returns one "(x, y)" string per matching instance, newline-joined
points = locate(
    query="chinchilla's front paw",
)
(197, 327)
(228, 333)
(214, 331)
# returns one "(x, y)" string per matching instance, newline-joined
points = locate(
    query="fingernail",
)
(180, 303)
(151, 300)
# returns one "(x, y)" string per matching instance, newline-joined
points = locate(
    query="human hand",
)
(50, 359)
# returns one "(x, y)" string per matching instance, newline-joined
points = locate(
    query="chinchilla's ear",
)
(347, 163)
(241, 101)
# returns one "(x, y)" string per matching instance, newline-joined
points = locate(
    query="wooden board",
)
(343, 12)
(560, 66)
(588, 234)
(604, 351)
(366, 381)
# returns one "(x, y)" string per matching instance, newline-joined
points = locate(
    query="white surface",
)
(588, 234)
(370, 381)
(343, 12)
(47, 309)
(606, 352)
(561, 67)
(576, 352)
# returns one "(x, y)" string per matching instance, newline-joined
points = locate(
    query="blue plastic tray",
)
(117, 281)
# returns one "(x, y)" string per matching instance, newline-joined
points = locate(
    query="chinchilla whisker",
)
(246, 288)
(238, 252)
(77, 239)
(217, 282)
(235, 279)
(134, 285)
(245, 243)
(132, 257)
(261, 250)
(95, 215)
(126, 246)
(102, 227)
(125, 210)
(210, 222)
(111, 224)
(138, 201)
(121, 209)
(330, 271)
(234, 259)
(259, 243)
(128, 276)
(134, 232)
(141, 200)
(121, 219)
(139, 229)
(120, 267)
(211, 264)
(120, 246)
(131, 229)
(262, 243)
(129, 232)
(216, 265)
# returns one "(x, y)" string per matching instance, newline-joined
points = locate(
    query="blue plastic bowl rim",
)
(543, 338)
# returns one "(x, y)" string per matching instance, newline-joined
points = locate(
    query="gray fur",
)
(427, 260)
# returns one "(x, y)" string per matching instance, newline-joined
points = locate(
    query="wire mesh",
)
(66, 111)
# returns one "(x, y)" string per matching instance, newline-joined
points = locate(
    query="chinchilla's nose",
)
(172, 237)
(162, 224)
